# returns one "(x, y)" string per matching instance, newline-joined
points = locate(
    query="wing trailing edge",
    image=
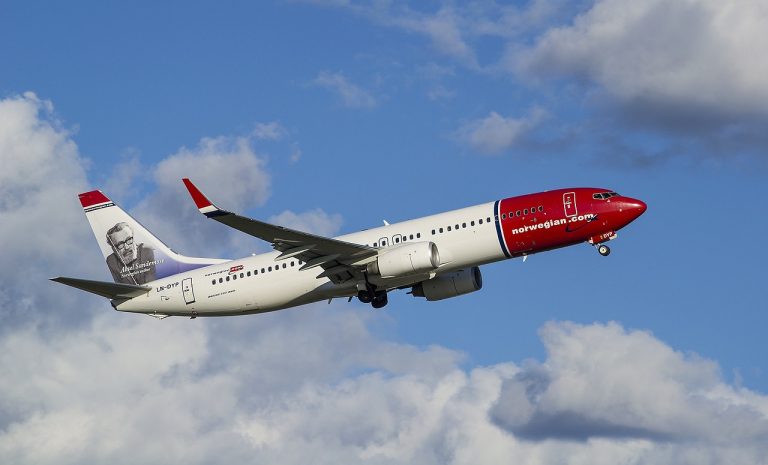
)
(114, 291)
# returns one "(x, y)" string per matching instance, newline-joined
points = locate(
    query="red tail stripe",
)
(88, 199)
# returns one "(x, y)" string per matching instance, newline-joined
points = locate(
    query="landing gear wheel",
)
(603, 250)
(379, 300)
(365, 297)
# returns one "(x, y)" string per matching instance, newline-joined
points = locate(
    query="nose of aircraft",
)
(635, 207)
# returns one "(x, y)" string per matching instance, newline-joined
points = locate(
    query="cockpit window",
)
(604, 195)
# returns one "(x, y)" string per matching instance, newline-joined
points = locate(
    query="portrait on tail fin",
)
(131, 262)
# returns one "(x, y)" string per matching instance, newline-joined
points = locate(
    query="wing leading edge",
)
(341, 261)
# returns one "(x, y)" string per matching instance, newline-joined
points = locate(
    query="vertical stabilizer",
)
(133, 254)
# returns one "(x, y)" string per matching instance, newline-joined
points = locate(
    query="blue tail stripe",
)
(497, 216)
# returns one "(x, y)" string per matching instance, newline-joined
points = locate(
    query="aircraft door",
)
(186, 289)
(569, 204)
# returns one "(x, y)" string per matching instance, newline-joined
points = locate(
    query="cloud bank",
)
(653, 55)
(495, 133)
(312, 383)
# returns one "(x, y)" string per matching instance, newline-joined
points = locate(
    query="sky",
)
(333, 116)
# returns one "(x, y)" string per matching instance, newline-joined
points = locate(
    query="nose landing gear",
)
(603, 250)
(599, 241)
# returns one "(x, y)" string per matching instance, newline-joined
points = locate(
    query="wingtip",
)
(201, 201)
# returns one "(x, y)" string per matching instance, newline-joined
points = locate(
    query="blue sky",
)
(332, 116)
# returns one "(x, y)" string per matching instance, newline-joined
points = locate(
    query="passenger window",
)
(242, 275)
(248, 274)
(463, 225)
(418, 235)
(213, 282)
(449, 228)
(397, 240)
(525, 212)
(441, 230)
(481, 221)
(263, 270)
(227, 278)
(269, 269)
(221, 280)
(285, 266)
(541, 209)
(457, 226)
(292, 264)
(489, 219)
(234, 277)
(503, 216)
(410, 237)
(472, 223)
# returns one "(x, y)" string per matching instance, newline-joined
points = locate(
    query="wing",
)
(105, 289)
(341, 261)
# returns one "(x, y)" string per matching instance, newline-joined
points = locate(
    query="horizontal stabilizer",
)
(105, 289)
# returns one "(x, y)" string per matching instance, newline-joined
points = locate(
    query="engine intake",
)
(450, 285)
(407, 259)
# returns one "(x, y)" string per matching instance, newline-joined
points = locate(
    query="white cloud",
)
(41, 221)
(315, 383)
(453, 28)
(495, 133)
(695, 57)
(443, 28)
(603, 381)
(351, 94)
(229, 172)
(313, 221)
(269, 131)
(125, 175)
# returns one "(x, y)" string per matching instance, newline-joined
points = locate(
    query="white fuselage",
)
(261, 283)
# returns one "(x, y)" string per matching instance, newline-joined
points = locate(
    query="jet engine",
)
(450, 284)
(407, 259)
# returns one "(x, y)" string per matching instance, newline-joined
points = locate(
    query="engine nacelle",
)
(407, 259)
(450, 284)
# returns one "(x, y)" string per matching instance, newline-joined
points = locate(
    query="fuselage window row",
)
(405, 237)
(456, 227)
(254, 273)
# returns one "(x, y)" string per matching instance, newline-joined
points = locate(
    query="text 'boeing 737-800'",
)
(436, 257)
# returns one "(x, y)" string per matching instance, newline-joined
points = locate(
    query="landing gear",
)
(365, 296)
(380, 299)
(377, 299)
(603, 250)
(370, 295)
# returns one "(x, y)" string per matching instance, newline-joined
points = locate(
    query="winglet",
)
(205, 206)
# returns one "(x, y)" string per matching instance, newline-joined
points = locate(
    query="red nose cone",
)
(637, 207)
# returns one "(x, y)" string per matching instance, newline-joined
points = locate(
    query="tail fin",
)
(133, 254)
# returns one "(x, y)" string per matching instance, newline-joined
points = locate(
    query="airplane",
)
(435, 257)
